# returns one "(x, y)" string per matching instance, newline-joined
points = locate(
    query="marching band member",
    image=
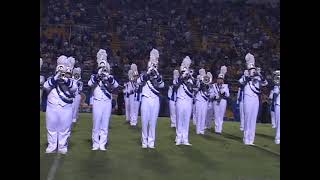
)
(42, 80)
(102, 84)
(150, 82)
(221, 93)
(210, 111)
(60, 90)
(202, 98)
(172, 96)
(135, 96)
(240, 96)
(272, 113)
(276, 102)
(126, 97)
(77, 98)
(252, 85)
(184, 103)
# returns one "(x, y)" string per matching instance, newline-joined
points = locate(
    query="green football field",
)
(211, 157)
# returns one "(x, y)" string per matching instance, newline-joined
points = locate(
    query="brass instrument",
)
(206, 80)
(76, 76)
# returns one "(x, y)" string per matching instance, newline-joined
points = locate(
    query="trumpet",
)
(206, 80)
(76, 76)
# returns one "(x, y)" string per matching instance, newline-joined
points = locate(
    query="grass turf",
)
(210, 156)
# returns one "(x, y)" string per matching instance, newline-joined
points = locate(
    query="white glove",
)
(56, 76)
(106, 77)
(149, 70)
(222, 91)
(100, 71)
(65, 79)
(246, 73)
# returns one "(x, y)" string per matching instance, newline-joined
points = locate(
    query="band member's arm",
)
(264, 82)
(143, 78)
(72, 84)
(244, 79)
(271, 94)
(276, 90)
(112, 82)
(160, 82)
(42, 80)
(93, 80)
(80, 85)
(49, 84)
(226, 91)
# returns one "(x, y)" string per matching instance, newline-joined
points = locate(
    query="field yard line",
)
(54, 167)
(259, 147)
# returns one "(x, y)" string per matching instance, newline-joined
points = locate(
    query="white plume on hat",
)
(154, 56)
(134, 67)
(154, 53)
(41, 63)
(202, 72)
(62, 60)
(130, 74)
(175, 74)
(102, 55)
(185, 63)
(76, 70)
(71, 62)
(250, 61)
(62, 63)
(223, 71)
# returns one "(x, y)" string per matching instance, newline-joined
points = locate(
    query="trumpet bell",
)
(206, 79)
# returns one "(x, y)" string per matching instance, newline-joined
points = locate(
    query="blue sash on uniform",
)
(68, 101)
(104, 91)
(152, 90)
(172, 94)
(257, 92)
(187, 92)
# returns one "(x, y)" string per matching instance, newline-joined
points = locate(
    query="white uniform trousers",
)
(41, 96)
(134, 110)
(277, 114)
(127, 108)
(75, 107)
(184, 109)
(209, 115)
(219, 111)
(194, 114)
(202, 107)
(58, 122)
(251, 109)
(173, 117)
(273, 119)
(149, 114)
(241, 112)
(101, 116)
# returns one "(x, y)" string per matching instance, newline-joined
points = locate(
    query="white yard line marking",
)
(54, 167)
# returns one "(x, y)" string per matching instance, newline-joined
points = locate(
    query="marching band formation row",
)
(198, 97)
